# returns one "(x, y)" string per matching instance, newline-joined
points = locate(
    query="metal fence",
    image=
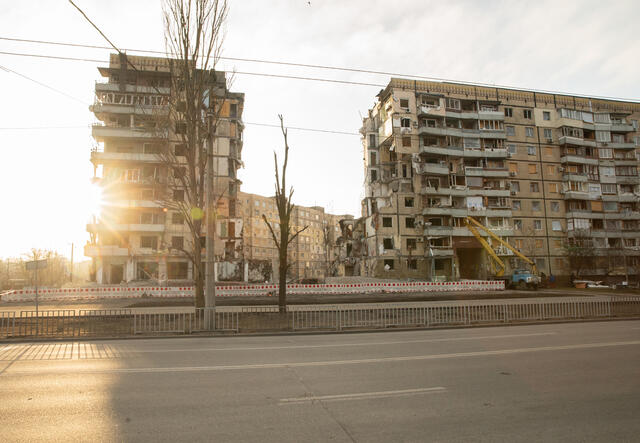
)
(125, 322)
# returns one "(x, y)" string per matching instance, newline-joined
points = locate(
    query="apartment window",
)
(408, 202)
(526, 113)
(409, 222)
(404, 103)
(177, 218)
(553, 187)
(513, 167)
(453, 103)
(556, 225)
(511, 148)
(531, 150)
(538, 244)
(548, 134)
(605, 153)
(528, 131)
(405, 122)
(546, 115)
(535, 206)
(555, 206)
(518, 243)
(537, 225)
(149, 242)
(607, 171)
(508, 112)
(387, 222)
(515, 186)
(177, 242)
(534, 187)
(374, 175)
(387, 243)
(372, 140)
(388, 264)
(516, 205)
(558, 263)
(551, 169)
(406, 142)
(541, 263)
(611, 206)
(511, 131)
(412, 264)
(603, 136)
(517, 224)
(608, 188)
(411, 243)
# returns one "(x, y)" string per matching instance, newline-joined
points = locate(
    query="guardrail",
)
(124, 322)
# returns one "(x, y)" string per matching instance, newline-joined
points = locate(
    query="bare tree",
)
(285, 209)
(193, 39)
(580, 251)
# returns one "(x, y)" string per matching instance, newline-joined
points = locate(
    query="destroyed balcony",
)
(443, 231)
(500, 232)
(578, 159)
(437, 111)
(100, 132)
(434, 168)
(567, 140)
(98, 157)
(437, 251)
(473, 171)
(105, 251)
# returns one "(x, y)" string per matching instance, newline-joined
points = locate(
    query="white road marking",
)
(70, 370)
(362, 395)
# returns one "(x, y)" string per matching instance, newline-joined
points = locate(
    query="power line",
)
(328, 67)
(43, 85)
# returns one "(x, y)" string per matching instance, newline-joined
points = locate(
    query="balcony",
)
(442, 231)
(627, 179)
(464, 191)
(574, 177)
(99, 157)
(115, 87)
(622, 127)
(627, 197)
(578, 159)
(437, 111)
(437, 251)
(577, 195)
(625, 215)
(565, 139)
(99, 108)
(432, 168)
(101, 227)
(433, 130)
(133, 204)
(99, 132)
(473, 171)
(583, 213)
(499, 231)
(463, 212)
(615, 145)
(625, 162)
(105, 251)
(491, 115)
(492, 133)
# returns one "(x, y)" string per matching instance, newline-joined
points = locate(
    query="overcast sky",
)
(584, 47)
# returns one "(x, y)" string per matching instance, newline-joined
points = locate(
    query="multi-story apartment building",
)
(311, 254)
(136, 237)
(538, 169)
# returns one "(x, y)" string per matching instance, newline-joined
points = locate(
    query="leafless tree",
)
(285, 208)
(193, 39)
(580, 251)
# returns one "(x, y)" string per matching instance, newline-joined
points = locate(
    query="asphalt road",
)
(560, 382)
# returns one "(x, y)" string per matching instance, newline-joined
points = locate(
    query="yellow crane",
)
(497, 264)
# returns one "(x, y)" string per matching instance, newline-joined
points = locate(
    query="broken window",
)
(411, 243)
(405, 122)
(406, 142)
(387, 243)
(387, 222)
(408, 202)
(404, 103)
(372, 140)
(147, 270)
(374, 175)
(412, 264)
(409, 222)
(388, 264)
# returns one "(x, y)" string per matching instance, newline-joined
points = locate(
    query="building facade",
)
(137, 237)
(542, 171)
(312, 254)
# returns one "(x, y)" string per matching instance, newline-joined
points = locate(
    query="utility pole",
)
(210, 278)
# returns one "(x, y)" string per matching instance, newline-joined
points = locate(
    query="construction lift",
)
(520, 278)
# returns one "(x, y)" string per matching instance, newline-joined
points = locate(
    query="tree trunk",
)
(282, 281)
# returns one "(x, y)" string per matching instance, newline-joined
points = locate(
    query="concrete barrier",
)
(109, 292)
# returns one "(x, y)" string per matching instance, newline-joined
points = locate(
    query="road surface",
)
(560, 382)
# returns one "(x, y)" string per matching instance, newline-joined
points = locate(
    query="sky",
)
(582, 47)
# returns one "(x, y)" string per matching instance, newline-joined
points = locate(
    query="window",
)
(374, 175)
(149, 242)
(538, 243)
(555, 206)
(177, 218)
(372, 140)
(412, 264)
(518, 243)
(541, 263)
(409, 222)
(556, 225)
(553, 187)
(387, 222)
(528, 131)
(548, 134)
(408, 202)
(511, 148)
(526, 113)
(537, 225)
(515, 186)
(611, 206)
(607, 171)
(603, 136)
(546, 115)
(534, 187)
(517, 224)
(388, 264)
(411, 243)
(513, 167)
(181, 128)
(531, 150)
(511, 131)
(596, 206)
(404, 103)
(406, 142)
(387, 243)
(177, 242)
(605, 153)
(608, 188)
(516, 205)
(178, 270)
(508, 112)
(405, 122)
(178, 195)
(453, 103)
(536, 206)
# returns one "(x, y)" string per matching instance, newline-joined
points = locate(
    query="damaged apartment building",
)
(539, 170)
(136, 238)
